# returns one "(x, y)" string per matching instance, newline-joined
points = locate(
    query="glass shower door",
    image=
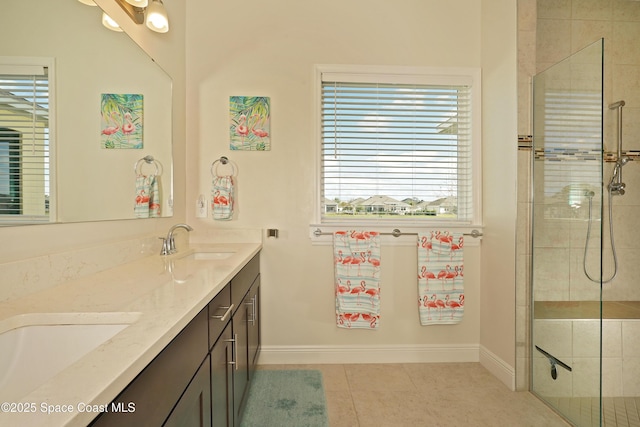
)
(567, 269)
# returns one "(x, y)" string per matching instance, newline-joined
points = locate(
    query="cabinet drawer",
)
(241, 283)
(159, 386)
(220, 312)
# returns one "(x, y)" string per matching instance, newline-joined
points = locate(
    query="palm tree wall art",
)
(121, 123)
(250, 121)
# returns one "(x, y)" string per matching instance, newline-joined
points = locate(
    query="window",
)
(398, 144)
(24, 142)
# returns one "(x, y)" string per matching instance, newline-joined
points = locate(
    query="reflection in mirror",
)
(77, 156)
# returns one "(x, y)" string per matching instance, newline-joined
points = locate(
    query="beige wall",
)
(269, 50)
(499, 183)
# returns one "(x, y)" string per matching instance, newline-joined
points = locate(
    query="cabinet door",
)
(194, 407)
(159, 386)
(253, 337)
(222, 366)
(241, 358)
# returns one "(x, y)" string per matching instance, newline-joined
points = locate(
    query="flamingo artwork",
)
(259, 132)
(241, 129)
(249, 127)
(112, 125)
(122, 120)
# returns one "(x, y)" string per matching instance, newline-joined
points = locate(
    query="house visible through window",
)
(397, 146)
(24, 143)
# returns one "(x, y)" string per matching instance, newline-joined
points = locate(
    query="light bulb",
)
(108, 22)
(156, 18)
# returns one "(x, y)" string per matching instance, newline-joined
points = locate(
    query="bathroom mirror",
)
(99, 79)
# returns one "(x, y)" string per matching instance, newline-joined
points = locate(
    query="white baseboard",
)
(288, 355)
(498, 367)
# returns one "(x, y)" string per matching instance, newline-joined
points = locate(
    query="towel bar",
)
(397, 233)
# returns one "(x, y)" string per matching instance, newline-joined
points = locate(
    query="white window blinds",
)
(395, 149)
(24, 141)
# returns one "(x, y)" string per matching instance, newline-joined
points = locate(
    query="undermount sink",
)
(200, 256)
(36, 347)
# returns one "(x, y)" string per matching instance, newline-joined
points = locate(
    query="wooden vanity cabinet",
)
(149, 399)
(194, 407)
(220, 345)
(244, 290)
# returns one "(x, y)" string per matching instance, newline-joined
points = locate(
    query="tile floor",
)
(430, 394)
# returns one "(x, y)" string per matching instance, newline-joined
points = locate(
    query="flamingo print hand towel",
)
(357, 278)
(222, 198)
(440, 277)
(147, 203)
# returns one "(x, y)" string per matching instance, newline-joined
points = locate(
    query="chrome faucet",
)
(168, 243)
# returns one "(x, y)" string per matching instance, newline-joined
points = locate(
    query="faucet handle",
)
(166, 249)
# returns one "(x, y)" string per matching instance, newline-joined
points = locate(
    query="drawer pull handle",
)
(233, 340)
(235, 351)
(226, 313)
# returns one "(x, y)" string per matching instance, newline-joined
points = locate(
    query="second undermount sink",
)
(36, 347)
(217, 255)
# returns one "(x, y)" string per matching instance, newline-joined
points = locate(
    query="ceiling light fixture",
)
(157, 19)
(151, 12)
(138, 3)
(108, 22)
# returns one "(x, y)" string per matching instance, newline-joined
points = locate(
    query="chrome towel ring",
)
(222, 160)
(137, 168)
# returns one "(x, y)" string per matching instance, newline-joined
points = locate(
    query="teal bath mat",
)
(286, 399)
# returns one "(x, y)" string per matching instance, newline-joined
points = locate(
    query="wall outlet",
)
(201, 207)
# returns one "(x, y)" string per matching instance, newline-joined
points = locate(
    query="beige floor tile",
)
(378, 377)
(425, 394)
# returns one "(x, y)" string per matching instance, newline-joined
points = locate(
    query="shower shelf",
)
(586, 310)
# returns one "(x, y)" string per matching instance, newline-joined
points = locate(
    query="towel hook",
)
(148, 159)
(223, 160)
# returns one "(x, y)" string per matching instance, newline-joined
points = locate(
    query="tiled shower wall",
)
(549, 31)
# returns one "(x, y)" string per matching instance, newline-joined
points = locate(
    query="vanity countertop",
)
(158, 295)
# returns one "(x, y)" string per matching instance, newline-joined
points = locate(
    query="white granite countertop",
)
(157, 295)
